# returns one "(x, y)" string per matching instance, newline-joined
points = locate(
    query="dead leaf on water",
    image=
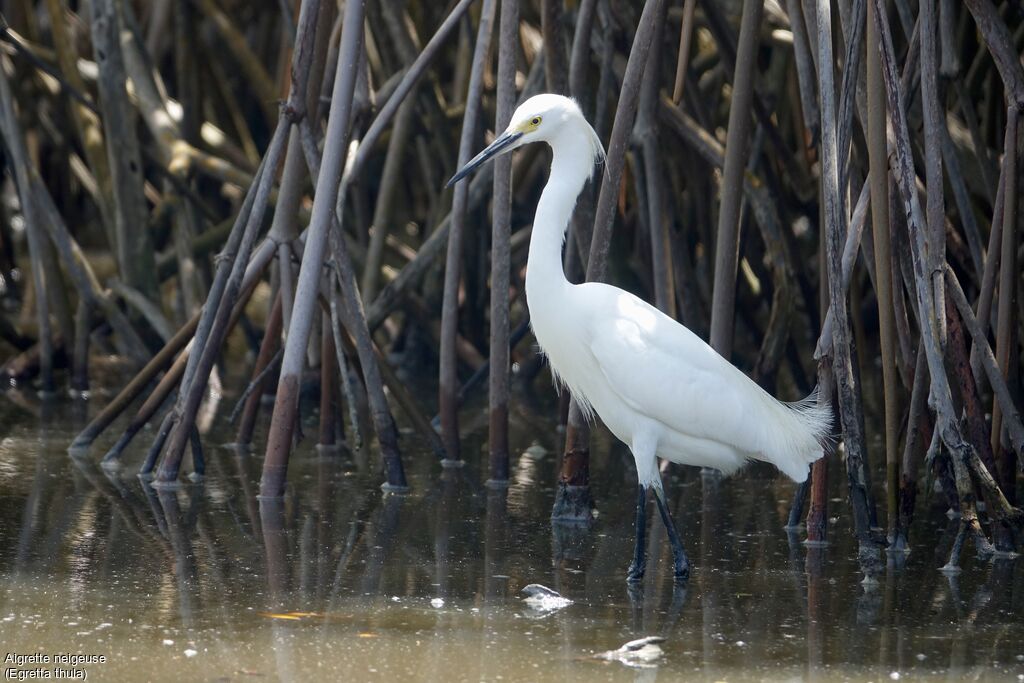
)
(292, 616)
(302, 616)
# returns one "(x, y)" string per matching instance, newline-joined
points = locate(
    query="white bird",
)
(657, 386)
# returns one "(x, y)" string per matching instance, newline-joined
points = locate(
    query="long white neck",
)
(571, 163)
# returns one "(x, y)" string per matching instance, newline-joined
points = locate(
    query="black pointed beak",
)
(501, 144)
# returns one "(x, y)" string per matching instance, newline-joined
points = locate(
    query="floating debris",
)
(290, 616)
(639, 654)
(544, 599)
(437, 603)
(536, 451)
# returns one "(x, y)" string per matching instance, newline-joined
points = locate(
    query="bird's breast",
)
(564, 344)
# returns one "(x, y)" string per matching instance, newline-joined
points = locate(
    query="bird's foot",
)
(682, 568)
(636, 572)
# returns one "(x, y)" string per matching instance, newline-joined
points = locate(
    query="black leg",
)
(682, 569)
(636, 569)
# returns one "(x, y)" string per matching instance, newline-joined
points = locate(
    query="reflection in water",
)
(495, 541)
(817, 614)
(339, 581)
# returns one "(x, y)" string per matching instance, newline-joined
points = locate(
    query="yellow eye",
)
(535, 121)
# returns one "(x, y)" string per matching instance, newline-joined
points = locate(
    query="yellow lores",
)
(529, 126)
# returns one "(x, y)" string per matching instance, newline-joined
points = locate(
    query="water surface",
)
(340, 581)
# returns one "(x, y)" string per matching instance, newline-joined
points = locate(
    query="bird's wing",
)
(662, 370)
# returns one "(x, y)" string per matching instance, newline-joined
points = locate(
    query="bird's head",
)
(542, 118)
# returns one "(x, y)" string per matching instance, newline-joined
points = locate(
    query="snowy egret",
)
(657, 386)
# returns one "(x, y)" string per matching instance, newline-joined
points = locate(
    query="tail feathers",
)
(815, 416)
(807, 431)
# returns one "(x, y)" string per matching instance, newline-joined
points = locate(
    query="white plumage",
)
(656, 385)
(653, 382)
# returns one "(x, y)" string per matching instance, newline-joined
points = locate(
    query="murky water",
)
(342, 582)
